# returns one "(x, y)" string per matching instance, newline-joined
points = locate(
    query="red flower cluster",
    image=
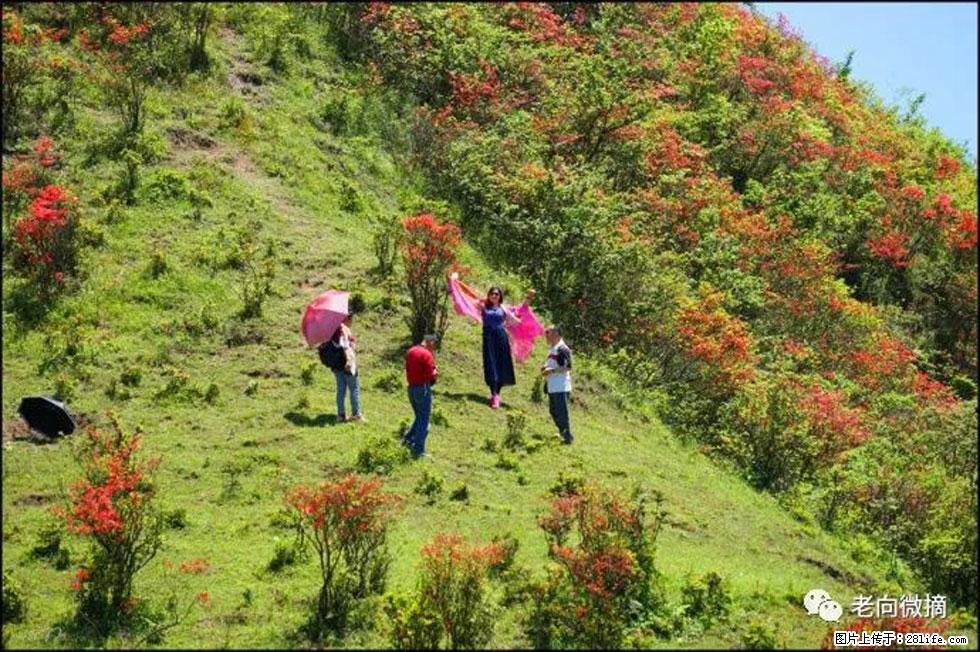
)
(121, 34)
(885, 359)
(891, 246)
(932, 392)
(720, 342)
(539, 21)
(81, 576)
(102, 501)
(452, 549)
(429, 246)
(195, 567)
(346, 506)
(468, 90)
(39, 235)
(838, 427)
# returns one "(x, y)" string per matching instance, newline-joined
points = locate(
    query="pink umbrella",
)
(323, 316)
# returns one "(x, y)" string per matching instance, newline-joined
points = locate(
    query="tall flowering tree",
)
(428, 249)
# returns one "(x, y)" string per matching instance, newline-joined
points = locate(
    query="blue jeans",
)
(558, 406)
(345, 380)
(420, 396)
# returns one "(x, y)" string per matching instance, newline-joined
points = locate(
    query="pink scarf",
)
(522, 334)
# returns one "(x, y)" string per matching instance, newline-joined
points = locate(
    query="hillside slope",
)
(254, 144)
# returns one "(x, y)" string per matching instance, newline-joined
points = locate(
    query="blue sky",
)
(920, 47)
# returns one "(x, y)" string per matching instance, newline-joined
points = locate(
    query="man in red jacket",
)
(421, 372)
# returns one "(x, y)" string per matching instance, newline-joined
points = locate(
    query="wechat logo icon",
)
(818, 602)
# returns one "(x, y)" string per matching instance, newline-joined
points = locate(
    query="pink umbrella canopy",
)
(323, 316)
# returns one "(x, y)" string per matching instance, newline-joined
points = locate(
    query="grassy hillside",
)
(251, 142)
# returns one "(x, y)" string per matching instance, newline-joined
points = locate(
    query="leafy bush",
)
(451, 605)
(390, 382)
(259, 272)
(516, 424)
(429, 485)
(49, 546)
(386, 234)
(283, 555)
(380, 455)
(706, 598)
(345, 521)
(439, 418)
(14, 604)
(567, 485)
(459, 491)
(307, 373)
(175, 519)
(759, 636)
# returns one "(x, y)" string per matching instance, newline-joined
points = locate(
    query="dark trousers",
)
(558, 406)
(420, 396)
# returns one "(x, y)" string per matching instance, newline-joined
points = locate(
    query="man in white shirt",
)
(558, 370)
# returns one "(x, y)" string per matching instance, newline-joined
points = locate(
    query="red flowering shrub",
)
(603, 545)
(346, 522)
(451, 605)
(45, 243)
(24, 175)
(836, 426)
(715, 345)
(428, 249)
(113, 506)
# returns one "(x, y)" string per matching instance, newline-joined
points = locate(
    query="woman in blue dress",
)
(498, 365)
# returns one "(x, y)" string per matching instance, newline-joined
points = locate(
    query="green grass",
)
(291, 177)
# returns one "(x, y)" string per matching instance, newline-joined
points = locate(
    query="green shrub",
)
(49, 546)
(386, 234)
(131, 376)
(175, 519)
(65, 388)
(537, 390)
(459, 491)
(489, 445)
(158, 265)
(567, 485)
(380, 455)
(307, 373)
(252, 388)
(439, 418)
(759, 636)
(259, 272)
(390, 382)
(514, 438)
(706, 598)
(283, 555)
(165, 184)
(210, 394)
(413, 627)
(14, 604)
(233, 114)
(429, 485)
(507, 461)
